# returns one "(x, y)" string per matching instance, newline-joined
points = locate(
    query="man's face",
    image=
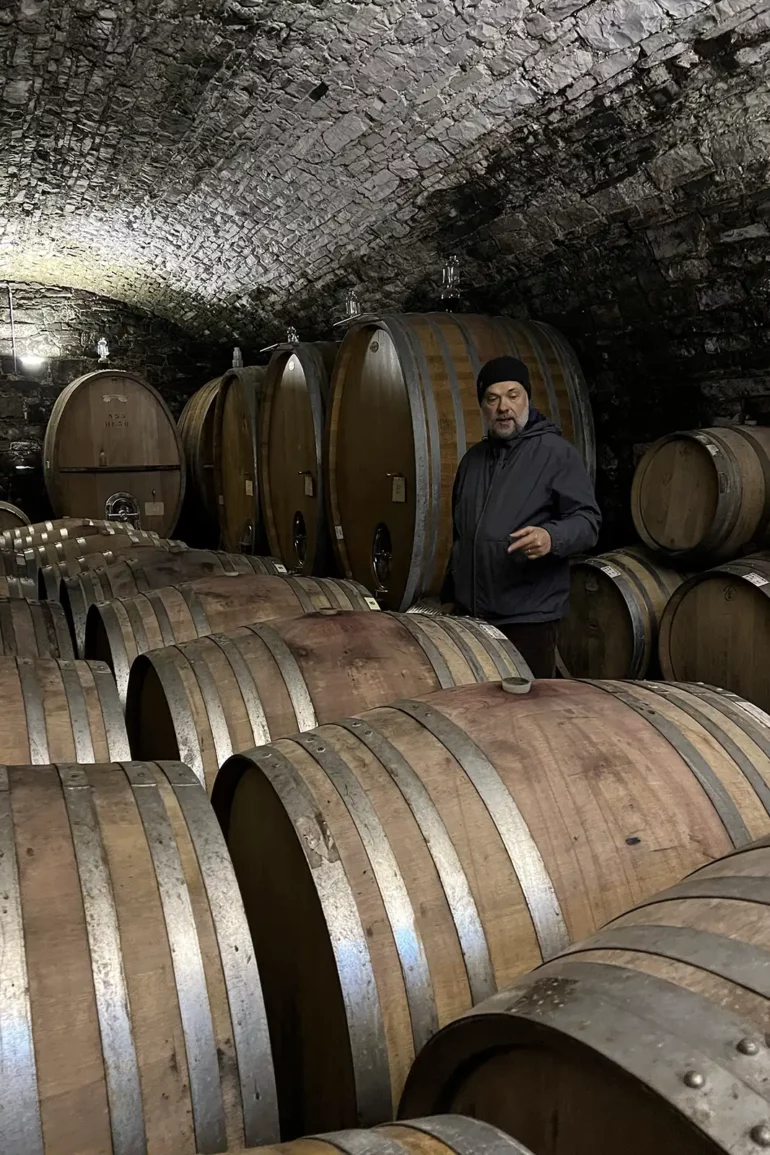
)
(506, 409)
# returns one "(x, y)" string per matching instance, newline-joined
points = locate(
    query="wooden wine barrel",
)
(50, 563)
(659, 1022)
(59, 709)
(109, 433)
(716, 629)
(18, 577)
(32, 629)
(615, 605)
(236, 433)
(445, 1135)
(704, 494)
(400, 867)
(118, 630)
(226, 693)
(148, 571)
(131, 1014)
(403, 412)
(65, 527)
(196, 432)
(11, 518)
(291, 445)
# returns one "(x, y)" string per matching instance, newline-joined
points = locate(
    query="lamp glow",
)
(32, 360)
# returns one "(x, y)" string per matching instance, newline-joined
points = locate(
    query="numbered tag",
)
(756, 579)
(372, 603)
(706, 440)
(309, 485)
(249, 487)
(610, 571)
(338, 532)
(398, 488)
(280, 568)
(154, 508)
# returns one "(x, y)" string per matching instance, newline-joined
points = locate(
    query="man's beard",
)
(519, 425)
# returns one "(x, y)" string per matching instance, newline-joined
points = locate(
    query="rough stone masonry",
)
(235, 165)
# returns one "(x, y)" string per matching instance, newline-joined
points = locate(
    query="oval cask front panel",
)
(292, 424)
(399, 867)
(236, 433)
(658, 1022)
(403, 412)
(111, 433)
(211, 698)
(131, 1016)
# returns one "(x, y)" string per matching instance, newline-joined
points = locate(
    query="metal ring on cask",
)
(477, 833)
(447, 1135)
(658, 1021)
(390, 496)
(120, 899)
(205, 699)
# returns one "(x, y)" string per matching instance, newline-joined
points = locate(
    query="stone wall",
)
(63, 325)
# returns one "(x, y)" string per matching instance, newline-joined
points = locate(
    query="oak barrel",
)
(400, 867)
(403, 412)
(716, 629)
(196, 431)
(236, 473)
(120, 629)
(18, 575)
(291, 445)
(56, 709)
(11, 518)
(109, 433)
(704, 494)
(131, 1014)
(69, 562)
(615, 606)
(659, 1022)
(32, 629)
(148, 571)
(63, 527)
(214, 697)
(445, 1135)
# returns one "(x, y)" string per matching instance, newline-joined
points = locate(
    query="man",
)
(522, 504)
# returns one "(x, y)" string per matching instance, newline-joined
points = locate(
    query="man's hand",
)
(535, 542)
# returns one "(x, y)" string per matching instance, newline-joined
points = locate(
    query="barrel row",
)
(659, 1021)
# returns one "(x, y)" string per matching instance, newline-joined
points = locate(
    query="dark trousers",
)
(536, 642)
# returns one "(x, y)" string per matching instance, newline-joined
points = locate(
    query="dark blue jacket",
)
(537, 478)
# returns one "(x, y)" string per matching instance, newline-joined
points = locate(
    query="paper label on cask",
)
(756, 579)
(280, 568)
(706, 440)
(372, 603)
(610, 571)
(249, 487)
(338, 532)
(492, 631)
(309, 485)
(154, 508)
(398, 489)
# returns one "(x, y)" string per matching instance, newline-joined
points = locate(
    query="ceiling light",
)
(32, 360)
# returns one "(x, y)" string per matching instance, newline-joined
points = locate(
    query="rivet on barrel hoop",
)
(748, 1047)
(761, 1134)
(694, 1079)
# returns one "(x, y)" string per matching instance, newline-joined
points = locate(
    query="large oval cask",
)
(224, 693)
(111, 433)
(236, 473)
(403, 412)
(399, 867)
(659, 1022)
(33, 629)
(55, 709)
(291, 447)
(615, 606)
(130, 993)
(150, 570)
(716, 629)
(447, 1135)
(196, 431)
(119, 630)
(11, 518)
(704, 494)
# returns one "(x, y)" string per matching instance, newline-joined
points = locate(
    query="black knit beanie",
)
(502, 369)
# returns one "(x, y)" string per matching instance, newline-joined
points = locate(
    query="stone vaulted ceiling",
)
(228, 163)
